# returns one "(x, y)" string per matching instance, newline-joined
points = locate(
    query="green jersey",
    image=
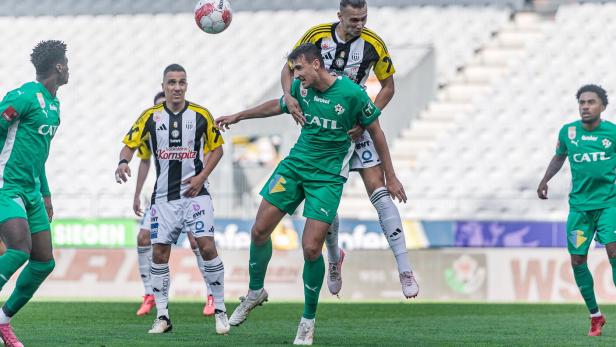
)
(592, 156)
(30, 116)
(323, 141)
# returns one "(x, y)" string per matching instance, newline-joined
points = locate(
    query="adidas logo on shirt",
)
(162, 127)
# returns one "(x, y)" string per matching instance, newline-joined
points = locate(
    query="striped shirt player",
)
(179, 143)
(354, 59)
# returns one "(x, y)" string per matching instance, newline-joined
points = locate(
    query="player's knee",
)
(160, 254)
(258, 235)
(207, 247)
(311, 252)
(143, 238)
(577, 260)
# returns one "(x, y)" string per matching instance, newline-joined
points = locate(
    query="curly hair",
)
(46, 54)
(601, 93)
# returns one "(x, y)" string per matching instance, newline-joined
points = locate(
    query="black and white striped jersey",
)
(353, 58)
(179, 143)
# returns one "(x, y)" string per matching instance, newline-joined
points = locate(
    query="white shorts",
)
(145, 220)
(365, 155)
(169, 218)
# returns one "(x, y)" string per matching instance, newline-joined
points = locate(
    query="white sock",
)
(144, 257)
(215, 276)
(160, 287)
(200, 266)
(597, 314)
(392, 226)
(4, 319)
(331, 241)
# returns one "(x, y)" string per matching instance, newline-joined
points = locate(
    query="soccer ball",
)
(213, 16)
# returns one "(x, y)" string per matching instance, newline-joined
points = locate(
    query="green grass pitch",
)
(52, 323)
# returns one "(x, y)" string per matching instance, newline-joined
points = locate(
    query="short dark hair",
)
(352, 3)
(46, 54)
(158, 95)
(173, 67)
(601, 93)
(310, 52)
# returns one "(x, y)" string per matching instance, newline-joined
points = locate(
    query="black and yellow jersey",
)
(353, 58)
(179, 142)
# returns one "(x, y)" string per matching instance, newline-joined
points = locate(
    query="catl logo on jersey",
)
(590, 157)
(47, 129)
(176, 153)
(322, 122)
(571, 133)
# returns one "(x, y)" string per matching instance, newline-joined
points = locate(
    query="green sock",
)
(10, 261)
(314, 271)
(584, 281)
(28, 282)
(260, 256)
(613, 263)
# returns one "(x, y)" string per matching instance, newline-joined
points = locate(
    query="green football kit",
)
(318, 164)
(30, 116)
(592, 200)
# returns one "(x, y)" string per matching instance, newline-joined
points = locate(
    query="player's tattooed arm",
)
(267, 109)
(555, 165)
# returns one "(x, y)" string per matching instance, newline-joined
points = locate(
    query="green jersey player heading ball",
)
(590, 146)
(315, 171)
(30, 116)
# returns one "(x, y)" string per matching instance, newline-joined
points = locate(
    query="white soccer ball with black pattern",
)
(213, 16)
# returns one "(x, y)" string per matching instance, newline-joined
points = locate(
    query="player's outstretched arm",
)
(555, 165)
(267, 109)
(123, 170)
(394, 186)
(196, 182)
(286, 80)
(142, 174)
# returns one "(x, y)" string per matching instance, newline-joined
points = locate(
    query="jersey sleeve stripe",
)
(316, 29)
(376, 38)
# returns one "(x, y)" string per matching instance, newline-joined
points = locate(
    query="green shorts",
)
(30, 207)
(294, 180)
(583, 225)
